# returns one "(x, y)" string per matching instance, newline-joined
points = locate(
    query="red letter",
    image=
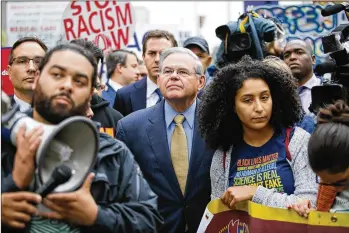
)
(88, 6)
(102, 5)
(76, 7)
(120, 34)
(105, 39)
(90, 23)
(68, 28)
(110, 18)
(124, 18)
(102, 19)
(82, 27)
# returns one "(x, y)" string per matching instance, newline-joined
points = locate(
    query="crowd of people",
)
(176, 131)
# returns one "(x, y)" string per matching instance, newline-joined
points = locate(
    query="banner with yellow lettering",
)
(250, 217)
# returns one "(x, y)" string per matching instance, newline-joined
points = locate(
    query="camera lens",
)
(243, 43)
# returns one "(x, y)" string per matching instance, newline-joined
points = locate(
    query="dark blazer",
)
(131, 98)
(109, 94)
(12, 98)
(144, 132)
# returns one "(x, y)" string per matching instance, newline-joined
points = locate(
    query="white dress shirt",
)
(152, 97)
(304, 92)
(23, 106)
(116, 86)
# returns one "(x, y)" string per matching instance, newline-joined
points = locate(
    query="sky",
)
(185, 14)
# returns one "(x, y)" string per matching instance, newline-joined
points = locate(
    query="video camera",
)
(246, 36)
(336, 44)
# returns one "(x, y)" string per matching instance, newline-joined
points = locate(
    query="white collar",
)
(313, 81)
(23, 106)
(151, 87)
(116, 86)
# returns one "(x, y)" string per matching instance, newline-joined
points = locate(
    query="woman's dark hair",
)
(328, 147)
(219, 124)
(74, 48)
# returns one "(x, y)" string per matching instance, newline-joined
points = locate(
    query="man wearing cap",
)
(199, 46)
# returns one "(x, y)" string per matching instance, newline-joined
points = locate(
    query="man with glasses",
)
(145, 93)
(25, 57)
(166, 143)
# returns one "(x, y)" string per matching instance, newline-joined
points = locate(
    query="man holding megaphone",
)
(106, 193)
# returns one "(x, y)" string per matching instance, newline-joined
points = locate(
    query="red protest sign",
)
(6, 84)
(109, 24)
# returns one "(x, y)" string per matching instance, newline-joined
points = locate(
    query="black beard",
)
(56, 114)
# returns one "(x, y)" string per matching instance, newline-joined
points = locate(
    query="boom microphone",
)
(60, 175)
(336, 8)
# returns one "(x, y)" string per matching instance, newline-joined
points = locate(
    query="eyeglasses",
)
(25, 60)
(184, 73)
(336, 184)
(99, 86)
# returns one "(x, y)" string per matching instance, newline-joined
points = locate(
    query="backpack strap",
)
(287, 142)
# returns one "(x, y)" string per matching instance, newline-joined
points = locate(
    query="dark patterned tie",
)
(157, 91)
(301, 89)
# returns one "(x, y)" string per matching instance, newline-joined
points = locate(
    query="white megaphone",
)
(74, 142)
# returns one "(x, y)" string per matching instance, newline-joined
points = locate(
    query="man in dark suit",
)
(25, 57)
(165, 142)
(145, 92)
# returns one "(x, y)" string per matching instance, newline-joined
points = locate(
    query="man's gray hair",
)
(117, 57)
(199, 70)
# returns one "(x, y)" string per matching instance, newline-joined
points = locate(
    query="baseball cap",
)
(198, 41)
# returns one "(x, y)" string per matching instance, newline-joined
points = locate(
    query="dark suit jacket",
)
(144, 132)
(109, 95)
(131, 98)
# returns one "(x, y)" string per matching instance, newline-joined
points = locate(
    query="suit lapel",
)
(157, 134)
(139, 96)
(196, 157)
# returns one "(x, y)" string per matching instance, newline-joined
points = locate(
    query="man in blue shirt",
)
(166, 143)
(299, 56)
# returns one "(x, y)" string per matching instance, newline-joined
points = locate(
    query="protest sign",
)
(109, 24)
(250, 217)
(39, 19)
(6, 84)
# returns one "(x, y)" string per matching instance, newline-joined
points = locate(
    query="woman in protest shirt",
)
(245, 115)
